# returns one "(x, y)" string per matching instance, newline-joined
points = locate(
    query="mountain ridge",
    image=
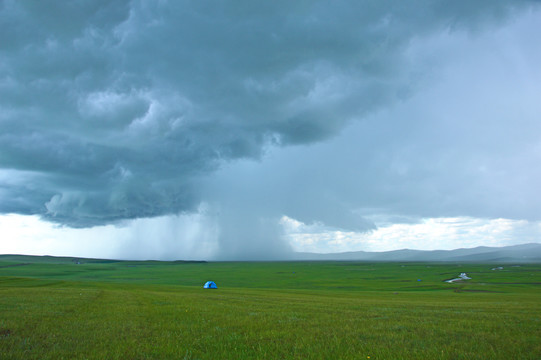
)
(529, 252)
(522, 253)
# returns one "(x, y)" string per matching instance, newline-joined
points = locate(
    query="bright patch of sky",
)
(191, 238)
(428, 234)
(173, 238)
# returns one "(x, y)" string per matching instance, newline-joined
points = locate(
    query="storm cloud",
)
(325, 112)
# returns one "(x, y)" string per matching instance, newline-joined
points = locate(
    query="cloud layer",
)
(120, 110)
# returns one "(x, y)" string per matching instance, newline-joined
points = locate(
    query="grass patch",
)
(304, 310)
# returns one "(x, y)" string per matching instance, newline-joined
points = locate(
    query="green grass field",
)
(53, 308)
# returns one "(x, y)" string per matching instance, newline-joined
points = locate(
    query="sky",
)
(244, 130)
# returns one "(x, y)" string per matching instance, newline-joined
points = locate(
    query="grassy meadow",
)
(54, 308)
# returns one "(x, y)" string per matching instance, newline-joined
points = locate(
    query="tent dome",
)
(210, 285)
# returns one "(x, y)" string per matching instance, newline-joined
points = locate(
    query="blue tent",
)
(210, 285)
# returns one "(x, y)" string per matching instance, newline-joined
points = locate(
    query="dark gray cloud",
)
(464, 145)
(118, 110)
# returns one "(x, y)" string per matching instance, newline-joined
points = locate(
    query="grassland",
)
(53, 308)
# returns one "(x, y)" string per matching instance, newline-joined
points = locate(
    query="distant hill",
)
(27, 259)
(525, 253)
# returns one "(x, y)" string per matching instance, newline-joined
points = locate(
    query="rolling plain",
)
(70, 308)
